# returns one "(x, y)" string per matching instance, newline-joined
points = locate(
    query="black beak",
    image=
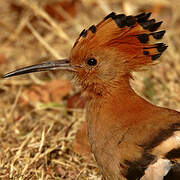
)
(51, 65)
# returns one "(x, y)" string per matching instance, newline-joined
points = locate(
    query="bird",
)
(130, 138)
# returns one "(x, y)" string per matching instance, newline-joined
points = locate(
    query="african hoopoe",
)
(130, 138)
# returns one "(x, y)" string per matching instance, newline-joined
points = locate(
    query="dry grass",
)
(36, 139)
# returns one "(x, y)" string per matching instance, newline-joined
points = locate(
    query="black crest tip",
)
(111, 15)
(158, 35)
(161, 47)
(93, 29)
(83, 33)
(146, 53)
(140, 15)
(155, 56)
(130, 21)
(143, 17)
(154, 26)
(120, 20)
(143, 38)
(147, 24)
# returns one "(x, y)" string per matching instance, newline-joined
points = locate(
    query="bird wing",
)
(158, 170)
(167, 151)
(160, 153)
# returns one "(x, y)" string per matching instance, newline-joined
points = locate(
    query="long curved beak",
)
(46, 66)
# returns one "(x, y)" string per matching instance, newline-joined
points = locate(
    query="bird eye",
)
(92, 62)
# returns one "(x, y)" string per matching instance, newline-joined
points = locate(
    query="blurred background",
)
(40, 113)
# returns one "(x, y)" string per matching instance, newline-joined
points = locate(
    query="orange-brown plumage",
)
(127, 134)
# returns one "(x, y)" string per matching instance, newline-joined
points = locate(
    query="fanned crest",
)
(135, 37)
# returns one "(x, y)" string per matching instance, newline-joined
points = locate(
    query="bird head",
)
(108, 52)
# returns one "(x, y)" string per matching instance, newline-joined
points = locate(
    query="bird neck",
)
(121, 89)
(120, 108)
(117, 91)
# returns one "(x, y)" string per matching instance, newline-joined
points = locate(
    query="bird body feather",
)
(126, 139)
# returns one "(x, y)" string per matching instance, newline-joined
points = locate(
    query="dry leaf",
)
(81, 143)
(76, 101)
(58, 89)
(52, 91)
(2, 59)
